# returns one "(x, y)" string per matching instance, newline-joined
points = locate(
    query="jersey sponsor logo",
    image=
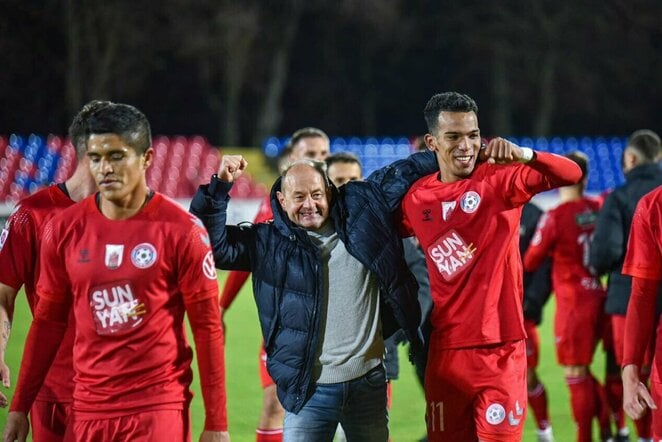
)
(208, 266)
(116, 308)
(469, 202)
(114, 253)
(143, 255)
(495, 414)
(451, 254)
(3, 237)
(447, 208)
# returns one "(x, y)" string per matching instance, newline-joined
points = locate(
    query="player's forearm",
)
(209, 344)
(640, 320)
(556, 170)
(7, 298)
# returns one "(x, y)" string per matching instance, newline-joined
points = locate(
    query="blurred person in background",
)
(608, 247)
(20, 267)
(563, 234)
(537, 288)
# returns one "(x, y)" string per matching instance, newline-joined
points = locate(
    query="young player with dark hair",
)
(466, 217)
(20, 266)
(130, 263)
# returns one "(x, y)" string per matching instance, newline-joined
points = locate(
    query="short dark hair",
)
(646, 143)
(78, 128)
(123, 120)
(307, 132)
(581, 159)
(342, 157)
(447, 102)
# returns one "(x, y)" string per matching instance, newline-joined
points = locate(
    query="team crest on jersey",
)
(143, 255)
(115, 308)
(447, 208)
(113, 258)
(495, 414)
(451, 254)
(208, 266)
(469, 202)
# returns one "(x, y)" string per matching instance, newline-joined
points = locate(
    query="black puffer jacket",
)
(286, 266)
(612, 231)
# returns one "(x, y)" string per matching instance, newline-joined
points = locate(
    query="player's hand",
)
(231, 168)
(16, 427)
(4, 375)
(500, 151)
(214, 436)
(636, 397)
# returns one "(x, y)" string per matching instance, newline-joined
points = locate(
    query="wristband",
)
(527, 155)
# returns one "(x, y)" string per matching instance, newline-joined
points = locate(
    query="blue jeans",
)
(358, 405)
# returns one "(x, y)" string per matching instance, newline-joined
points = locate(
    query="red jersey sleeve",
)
(541, 243)
(53, 283)
(18, 248)
(196, 270)
(643, 258)
(639, 320)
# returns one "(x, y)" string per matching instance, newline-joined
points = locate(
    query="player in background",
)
(643, 262)
(131, 263)
(609, 244)
(466, 217)
(20, 267)
(308, 142)
(537, 288)
(564, 234)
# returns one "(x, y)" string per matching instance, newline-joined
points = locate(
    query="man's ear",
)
(147, 157)
(430, 142)
(281, 199)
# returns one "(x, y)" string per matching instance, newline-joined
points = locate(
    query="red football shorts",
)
(476, 393)
(144, 426)
(618, 332)
(578, 330)
(265, 379)
(49, 420)
(532, 343)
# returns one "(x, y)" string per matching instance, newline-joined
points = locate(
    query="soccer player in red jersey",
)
(130, 263)
(466, 218)
(19, 266)
(308, 142)
(564, 234)
(643, 261)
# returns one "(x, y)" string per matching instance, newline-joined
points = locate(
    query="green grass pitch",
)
(244, 391)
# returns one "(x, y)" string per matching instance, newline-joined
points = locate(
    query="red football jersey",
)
(469, 231)
(19, 261)
(643, 259)
(128, 281)
(564, 233)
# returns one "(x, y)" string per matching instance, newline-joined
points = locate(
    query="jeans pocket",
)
(376, 377)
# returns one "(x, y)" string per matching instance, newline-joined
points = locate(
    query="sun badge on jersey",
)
(114, 253)
(469, 202)
(116, 308)
(143, 255)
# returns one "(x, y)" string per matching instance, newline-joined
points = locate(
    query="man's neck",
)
(124, 209)
(571, 193)
(81, 184)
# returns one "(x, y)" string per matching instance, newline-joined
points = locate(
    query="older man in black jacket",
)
(330, 283)
(610, 239)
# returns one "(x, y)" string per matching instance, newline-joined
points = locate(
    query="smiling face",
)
(118, 170)
(456, 143)
(305, 197)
